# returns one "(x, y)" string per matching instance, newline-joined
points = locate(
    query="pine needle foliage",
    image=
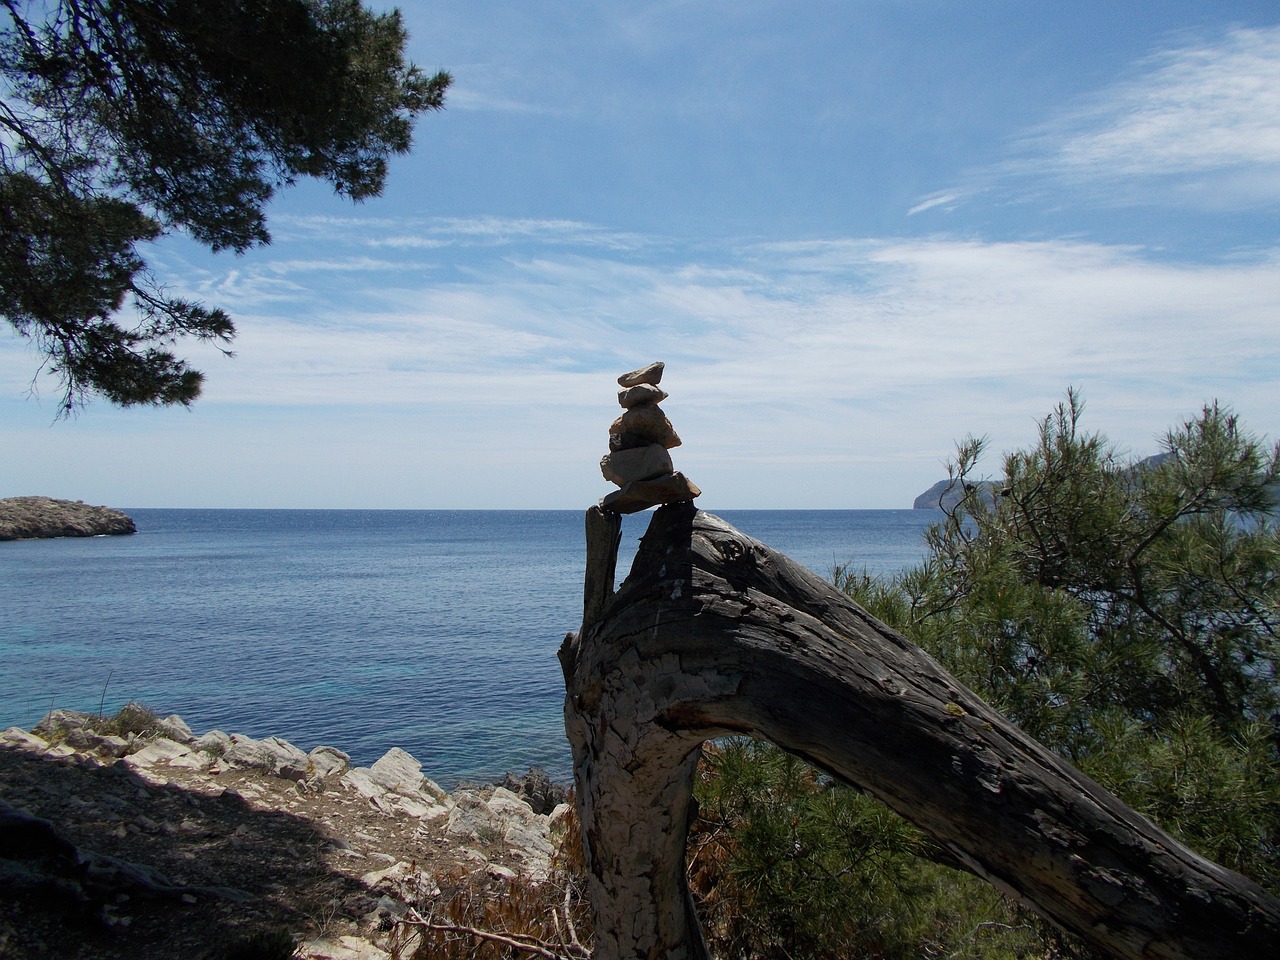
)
(785, 863)
(1125, 614)
(125, 120)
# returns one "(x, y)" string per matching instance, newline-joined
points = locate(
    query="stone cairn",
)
(638, 461)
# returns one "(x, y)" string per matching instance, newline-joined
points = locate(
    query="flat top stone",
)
(651, 373)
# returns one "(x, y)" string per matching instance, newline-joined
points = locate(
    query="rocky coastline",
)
(155, 842)
(38, 518)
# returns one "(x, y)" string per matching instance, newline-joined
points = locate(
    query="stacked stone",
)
(638, 461)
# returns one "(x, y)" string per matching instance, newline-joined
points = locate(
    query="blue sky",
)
(855, 232)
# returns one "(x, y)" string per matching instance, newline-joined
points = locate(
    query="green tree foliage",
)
(1126, 615)
(784, 863)
(124, 120)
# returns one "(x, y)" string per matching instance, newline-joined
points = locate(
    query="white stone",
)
(176, 729)
(192, 761)
(422, 810)
(215, 742)
(160, 750)
(18, 739)
(328, 762)
(358, 779)
(287, 761)
(243, 751)
(397, 771)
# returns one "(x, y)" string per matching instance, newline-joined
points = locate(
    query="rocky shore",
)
(35, 518)
(143, 840)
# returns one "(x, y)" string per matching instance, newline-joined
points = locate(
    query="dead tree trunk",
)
(713, 633)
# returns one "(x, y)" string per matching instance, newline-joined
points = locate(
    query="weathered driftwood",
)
(713, 633)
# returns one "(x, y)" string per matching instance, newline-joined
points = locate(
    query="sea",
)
(430, 630)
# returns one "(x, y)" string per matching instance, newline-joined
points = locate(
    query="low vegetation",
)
(1125, 615)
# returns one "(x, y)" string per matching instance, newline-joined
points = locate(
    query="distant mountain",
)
(945, 494)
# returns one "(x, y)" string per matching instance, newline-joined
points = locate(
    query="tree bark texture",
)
(714, 633)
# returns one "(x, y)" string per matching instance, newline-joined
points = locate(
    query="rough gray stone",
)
(175, 728)
(287, 761)
(397, 771)
(215, 742)
(640, 463)
(642, 494)
(328, 762)
(641, 393)
(650, 373)
(646, 421)
(242, 751)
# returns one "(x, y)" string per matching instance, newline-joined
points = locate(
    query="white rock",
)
(328, 762)
(397, 771)
(215, 742)
(195, 760)
(243, 751)
(56, 720)
(423, 810)
(504, 803)
(358, 779)
(287, 761)
(160, 750)
(18, 739)
(176, 729)
(403, 879)
(471, 817)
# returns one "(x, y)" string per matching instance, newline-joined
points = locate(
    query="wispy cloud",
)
(782, 341)
(946, 199)
(809, 373)
(1201, 107)
(1195, 125)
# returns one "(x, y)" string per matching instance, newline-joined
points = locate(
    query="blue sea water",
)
(434, 631)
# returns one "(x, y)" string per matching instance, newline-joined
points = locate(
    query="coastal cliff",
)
(35, 518)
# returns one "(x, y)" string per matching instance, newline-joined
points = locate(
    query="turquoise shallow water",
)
(435, 631)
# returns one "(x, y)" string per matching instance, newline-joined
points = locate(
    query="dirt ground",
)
(203, 860)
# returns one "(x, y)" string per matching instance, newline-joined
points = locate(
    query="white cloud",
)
(819, 373)
(1195, 108)
(1194, 126)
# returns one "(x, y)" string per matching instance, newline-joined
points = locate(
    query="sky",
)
(856, 232)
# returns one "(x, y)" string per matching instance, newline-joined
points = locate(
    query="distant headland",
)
(945, 494)
(36, 518)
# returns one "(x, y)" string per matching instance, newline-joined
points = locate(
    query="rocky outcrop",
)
(35, 518)
(144, 822)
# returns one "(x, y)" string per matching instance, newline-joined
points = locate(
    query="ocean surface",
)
(434, 631)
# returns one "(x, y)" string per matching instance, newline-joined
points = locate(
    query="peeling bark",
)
(714, 633)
